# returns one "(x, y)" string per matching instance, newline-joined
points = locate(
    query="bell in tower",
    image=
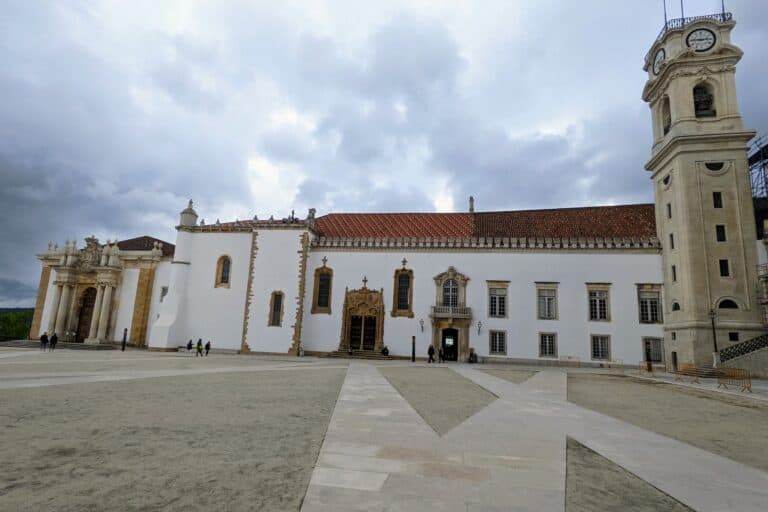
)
(699, 169)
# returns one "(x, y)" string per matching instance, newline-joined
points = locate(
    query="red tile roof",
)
(395, 225)
(145, 243)
(626, 221)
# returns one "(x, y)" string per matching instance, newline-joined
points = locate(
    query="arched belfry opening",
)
(704, 100)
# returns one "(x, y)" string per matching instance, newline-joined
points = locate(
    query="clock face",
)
(658, 59)
(701, 39)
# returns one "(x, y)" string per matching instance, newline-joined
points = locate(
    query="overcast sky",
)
(114, 114)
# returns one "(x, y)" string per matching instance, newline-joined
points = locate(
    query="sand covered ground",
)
(441, 396)
(220, 441)
(727, 425)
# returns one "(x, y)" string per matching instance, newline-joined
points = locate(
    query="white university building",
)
(598, 284)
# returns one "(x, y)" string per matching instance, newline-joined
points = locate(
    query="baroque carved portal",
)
(362, 325)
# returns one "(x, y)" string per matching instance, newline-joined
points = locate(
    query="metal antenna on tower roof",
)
(665, 13)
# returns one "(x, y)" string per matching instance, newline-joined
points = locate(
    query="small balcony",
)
(460, 311)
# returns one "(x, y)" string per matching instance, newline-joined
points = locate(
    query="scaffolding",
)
(757, 156)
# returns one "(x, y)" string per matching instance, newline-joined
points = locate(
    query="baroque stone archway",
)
(86, 305)
(362, 325)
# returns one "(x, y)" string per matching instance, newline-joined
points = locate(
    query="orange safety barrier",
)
(642, 368)
(687, 370)
(734, 377)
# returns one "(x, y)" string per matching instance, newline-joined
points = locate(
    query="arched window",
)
(321, 297)
(276, 309)
(675, 306)
(728, 304)
(450, 293)
(666, 115)
(223, 272)
(402, 300)
(704, 101)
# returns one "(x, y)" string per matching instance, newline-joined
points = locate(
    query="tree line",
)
(15, 322)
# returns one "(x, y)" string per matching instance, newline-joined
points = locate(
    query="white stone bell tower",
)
(704, 212)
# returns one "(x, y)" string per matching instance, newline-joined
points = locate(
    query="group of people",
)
(200, 347)
(45, 341)
(431, 354)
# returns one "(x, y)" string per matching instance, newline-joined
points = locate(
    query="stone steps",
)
(359, 354)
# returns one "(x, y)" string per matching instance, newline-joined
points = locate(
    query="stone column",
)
(95, 315)
(54, 309)
(106, 305)
(61, 317)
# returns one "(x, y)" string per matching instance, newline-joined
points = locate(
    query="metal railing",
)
(676, 23)
(451, 312)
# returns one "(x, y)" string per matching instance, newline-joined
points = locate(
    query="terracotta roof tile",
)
(626, 221)
(395, 225)
(633, 221)
(145, 243)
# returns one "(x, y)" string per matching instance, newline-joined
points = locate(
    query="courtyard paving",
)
(150, 431)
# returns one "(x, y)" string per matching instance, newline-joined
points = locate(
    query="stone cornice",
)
(667, 150)
(487, 244)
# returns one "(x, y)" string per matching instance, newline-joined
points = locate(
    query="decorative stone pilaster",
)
(42, 291)
(244, 348)
(141, 306)
(54, 308)
(94, 329)
(63, 309)
(106, 306)
(303, 256)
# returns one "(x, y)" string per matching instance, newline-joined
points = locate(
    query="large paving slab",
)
(380, 455)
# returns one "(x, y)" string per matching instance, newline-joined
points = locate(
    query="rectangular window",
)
(650, 307)
(717, 199)
(598, 305)
(671, 241)
(547, 344)
(276, 312)
(601, 348)
(547, 303)
(497, 302)
(403, 291)
(674, 273)
(733, 336)
(725, 270)
(654, 350)
(324, 290)
(669, 210)
(720, 232)
(498, 342)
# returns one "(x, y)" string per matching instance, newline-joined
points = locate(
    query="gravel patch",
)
(237, 441)
(441, 396)
(723, 424)
(594, 483)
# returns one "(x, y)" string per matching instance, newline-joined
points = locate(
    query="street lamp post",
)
(712, 316)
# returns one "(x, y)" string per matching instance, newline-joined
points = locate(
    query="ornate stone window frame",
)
(316, 309)
(454, 274)
(219, 271)
(547, 286)
(498, 285)
(395, 292)
(272, 307)
(599, 287)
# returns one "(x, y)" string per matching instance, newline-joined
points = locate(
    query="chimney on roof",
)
(471, 204)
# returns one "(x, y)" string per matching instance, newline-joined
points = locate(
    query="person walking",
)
(440, 355)
(43, 341)
(431, 353)
(54, 341)
(199, 348)
(207, 347)
(189, 346)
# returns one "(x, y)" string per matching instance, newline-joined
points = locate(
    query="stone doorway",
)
(88, 301)
(450, 344)
(363, 320)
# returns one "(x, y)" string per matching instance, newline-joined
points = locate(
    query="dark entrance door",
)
(86, 313)
(362, 332)
(450, 344)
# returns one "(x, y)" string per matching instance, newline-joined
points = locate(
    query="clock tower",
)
(704, 213)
